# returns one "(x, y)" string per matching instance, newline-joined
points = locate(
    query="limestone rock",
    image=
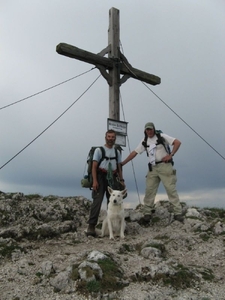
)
(45, 254)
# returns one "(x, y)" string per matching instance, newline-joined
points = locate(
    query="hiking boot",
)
(91, 230)
(179, 218)
(145, 220)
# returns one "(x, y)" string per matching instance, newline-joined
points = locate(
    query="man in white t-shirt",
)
(160, 165)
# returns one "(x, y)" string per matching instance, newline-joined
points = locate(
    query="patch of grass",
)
(207, 274)
(126, 248)
(74, 273)
(69, 215)
(8, 195)
(32, 196)
(198, 230)
(110, 268)
(204, 236)
(110, 281)
(76, 242)
(216, 212)
(158, 246)
(156, 219)
(39, 274)
(7, 250)
(93, 286)
(50, 198)
(182, 279)
(162, 237)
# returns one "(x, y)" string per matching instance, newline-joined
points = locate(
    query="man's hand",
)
(95, 186)
(123, 183)
(167, 158)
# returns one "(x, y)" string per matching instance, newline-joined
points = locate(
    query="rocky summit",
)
(45, 253)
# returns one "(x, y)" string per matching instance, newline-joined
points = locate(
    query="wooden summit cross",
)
(116, 64)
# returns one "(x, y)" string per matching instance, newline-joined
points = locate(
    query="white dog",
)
(114, 223)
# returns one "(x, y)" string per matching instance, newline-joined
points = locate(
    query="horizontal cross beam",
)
(108, 63)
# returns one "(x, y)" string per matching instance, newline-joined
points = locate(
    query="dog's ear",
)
(110, 190)
(124, 192)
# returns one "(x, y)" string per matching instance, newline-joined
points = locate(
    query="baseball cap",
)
(149, 125)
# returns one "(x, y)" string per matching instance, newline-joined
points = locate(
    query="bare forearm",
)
(120, 171)
(94, 170)
(129, 157)
(176, 146)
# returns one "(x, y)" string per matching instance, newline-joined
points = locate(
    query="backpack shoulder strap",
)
(116, 153)
(144, 143)
(103, 151)
(161, 140)
(103, 154)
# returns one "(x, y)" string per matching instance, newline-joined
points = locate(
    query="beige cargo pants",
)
(161, 172)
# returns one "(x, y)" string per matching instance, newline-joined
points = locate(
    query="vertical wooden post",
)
(113, 41)
(113, 64)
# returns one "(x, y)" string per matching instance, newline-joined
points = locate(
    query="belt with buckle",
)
(166, 162)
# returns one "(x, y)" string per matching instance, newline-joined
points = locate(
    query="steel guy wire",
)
(45, 90)
(50, 124)
(176, 113)
(132, 163)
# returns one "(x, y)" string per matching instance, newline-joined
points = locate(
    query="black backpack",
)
(160, 140)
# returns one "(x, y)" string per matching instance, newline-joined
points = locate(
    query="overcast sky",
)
(182, 42)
